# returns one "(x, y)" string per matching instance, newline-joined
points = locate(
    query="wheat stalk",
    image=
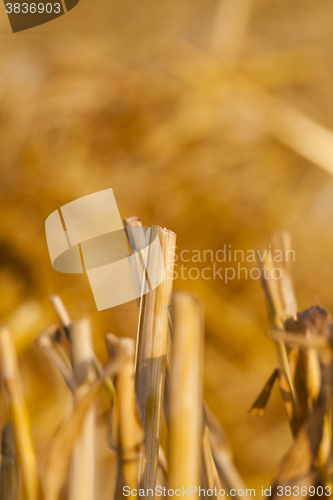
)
(83, 460)
(9, 476)
(185, 392)
(152, 347)
(127, 437)
(18, 415)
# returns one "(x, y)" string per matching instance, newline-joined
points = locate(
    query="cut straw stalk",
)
(66, 323)
(127, 435)
(136, 241)
(185, 392)
(276, 313)
(83, 459)
(61, 313)
(152, 347)
(9, 477)
(222, 453)
(57, 356)
(18, 415)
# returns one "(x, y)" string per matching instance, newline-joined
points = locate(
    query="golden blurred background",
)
(211, 118)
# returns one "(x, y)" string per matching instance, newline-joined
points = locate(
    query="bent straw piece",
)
(293, 412)
(108, 384)
(210, 476)
(58, 359)
(64, 318)
(18, 414)
(275, 313)
(297, 466)
(222, 454)
(9, 475)
(61, 313)
(83, 459)
(152, 347)
(185, 392)
(298, 339)
(129, 432)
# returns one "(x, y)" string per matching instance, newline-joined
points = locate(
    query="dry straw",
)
(209, 473)
(307, 339)
(58, 458)
(185, 392)
(47, 341)
(198, 451)
(280, 298)
(18, 414)
(152, 348)
(9, 476)
(79, 376)
(222, 454)
(83, 461)
(126, 436)
(56, 352)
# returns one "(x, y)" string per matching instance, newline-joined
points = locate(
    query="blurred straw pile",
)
(211, 118)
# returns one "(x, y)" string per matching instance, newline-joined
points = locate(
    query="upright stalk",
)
(186, 393)
(18, 415)
(83, 459)
(152, 347)
(128, 430)
(9, 476)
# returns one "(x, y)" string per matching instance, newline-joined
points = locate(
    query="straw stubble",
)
(185, 392)
(83, 459)
(18, 415)
(152, 347)
(126, 436)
